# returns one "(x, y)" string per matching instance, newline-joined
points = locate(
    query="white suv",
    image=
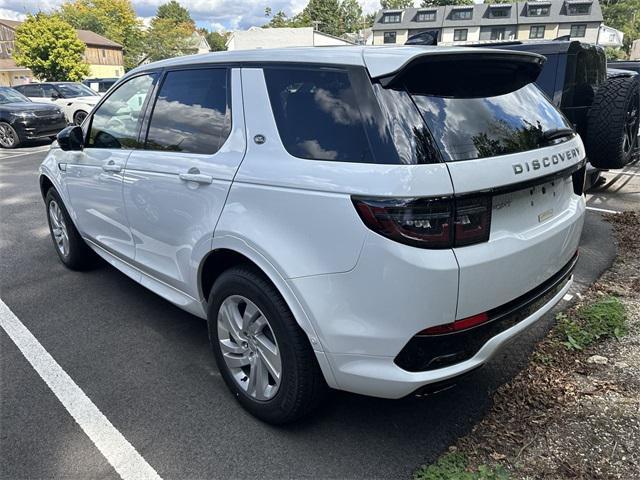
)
(377, 220)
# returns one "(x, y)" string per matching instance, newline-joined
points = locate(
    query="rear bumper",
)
(381, 377)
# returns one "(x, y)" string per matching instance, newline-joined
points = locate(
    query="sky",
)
(210, 14)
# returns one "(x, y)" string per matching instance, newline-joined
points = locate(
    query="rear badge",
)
(546, 215)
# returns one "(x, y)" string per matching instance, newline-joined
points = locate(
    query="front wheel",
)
(263, 355)
(9, 138)
(79, 117)
(70, 247)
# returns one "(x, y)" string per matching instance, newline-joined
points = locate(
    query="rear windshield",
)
(470, 128)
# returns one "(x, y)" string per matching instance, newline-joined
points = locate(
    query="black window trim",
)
(143, 111)
(143, 133)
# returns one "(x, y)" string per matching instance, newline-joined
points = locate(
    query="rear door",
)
(175, 187)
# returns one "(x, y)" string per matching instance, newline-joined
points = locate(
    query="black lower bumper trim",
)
(430, 352)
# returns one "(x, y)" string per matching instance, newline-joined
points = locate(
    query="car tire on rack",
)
(612, 123)
(264, 357)
(9, 138)
(69, 245)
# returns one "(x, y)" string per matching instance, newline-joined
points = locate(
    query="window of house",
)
(394, 17)
(497, 34)
(579, 9)
(536, 31)
(103, 52)
(116, 122)
(191, 113)
(461, 14)
(389, 37)
(460, 34)
(426, 16)
(499, 12)
(578, 31)
(538, 10)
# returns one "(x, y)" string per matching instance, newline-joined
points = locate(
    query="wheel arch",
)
(45, 185)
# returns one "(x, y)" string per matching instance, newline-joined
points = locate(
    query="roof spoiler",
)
(466, 73)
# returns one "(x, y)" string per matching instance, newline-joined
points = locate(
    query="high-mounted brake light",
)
(428, 222)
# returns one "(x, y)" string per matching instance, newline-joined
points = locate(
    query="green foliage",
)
(442, 3)
(50, 48)
(454, 466)
(350, 19)
(280, 20)
(176, 12)
(604, 318)
(623, 15)
(217, 41)
(325, 14)
(334, 17)
(615, 53)
(113, 19)
(167, 39)
(499, 1)
(396, 4)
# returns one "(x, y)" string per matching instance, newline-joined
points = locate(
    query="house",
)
(257, 37)
(460, 24)
(103, 56)
(199, 43)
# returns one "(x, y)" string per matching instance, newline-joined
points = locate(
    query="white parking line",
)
(116, 449)
(603, 210)
(14, 155)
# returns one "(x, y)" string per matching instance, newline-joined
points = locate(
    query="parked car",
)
(602, 105)
(22, 120)
(100, 85)
(374, 222)
(75, 99)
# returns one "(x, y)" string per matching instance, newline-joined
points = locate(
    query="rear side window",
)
(470, 128)
(328, 114)
(191, 113)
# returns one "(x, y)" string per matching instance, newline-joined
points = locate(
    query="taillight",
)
(428, 222)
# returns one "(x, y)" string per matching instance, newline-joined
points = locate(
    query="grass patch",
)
(455, 466)
(604, 318)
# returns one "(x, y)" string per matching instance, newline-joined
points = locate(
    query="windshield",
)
(9, 95)
(71, 90)
(469, 128)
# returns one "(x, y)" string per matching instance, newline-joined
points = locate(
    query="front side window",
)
(329, 114)
(73, 90)
(50, 91)
(469, 128)
(8, 95)
(579, 9)
(459, 34)
(461, 15)
(538, 10)
(578, 31)
(391, 17)
(116, 122)
(497, 33)
(426, 16)
(191, 113)
(536, 31)
(389, 37)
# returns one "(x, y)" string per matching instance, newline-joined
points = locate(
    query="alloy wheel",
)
(7, 136)
(79, 117)
(249, 347)
(59, 228)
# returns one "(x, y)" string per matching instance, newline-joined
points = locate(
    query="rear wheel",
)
(79, 117)
(264, 357)
(70, 247)
(9, 138)
(612, 125)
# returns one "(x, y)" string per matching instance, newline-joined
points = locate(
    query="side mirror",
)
(71, 138)
(55, 95)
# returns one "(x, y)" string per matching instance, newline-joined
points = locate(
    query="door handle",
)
(111, 167)
(194, 175)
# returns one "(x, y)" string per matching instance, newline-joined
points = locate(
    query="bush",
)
(604, 318)
(455, 466)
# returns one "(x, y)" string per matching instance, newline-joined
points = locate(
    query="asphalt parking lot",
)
(147, 367)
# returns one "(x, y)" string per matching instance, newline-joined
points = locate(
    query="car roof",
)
(379, 60)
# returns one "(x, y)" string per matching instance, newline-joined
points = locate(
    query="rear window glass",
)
(328, 114)
(470, 128)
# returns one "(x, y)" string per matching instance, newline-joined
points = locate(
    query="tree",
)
(499, 1)
(442, 3)
(50, 48)
(623, 15)
(350, 16)
(176, 12)
(217, 40)
(113, 19)
(325, 14)
(396, 4)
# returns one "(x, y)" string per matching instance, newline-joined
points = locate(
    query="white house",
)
(257, 37)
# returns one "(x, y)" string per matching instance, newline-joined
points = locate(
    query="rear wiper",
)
(555, 133)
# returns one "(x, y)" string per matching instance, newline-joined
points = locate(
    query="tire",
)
(301, 386)
(9, 138)
(79, 117)
(69, 245)
(612, 123)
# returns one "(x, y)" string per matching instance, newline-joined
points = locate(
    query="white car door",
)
(94, 176)
(175, 188)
